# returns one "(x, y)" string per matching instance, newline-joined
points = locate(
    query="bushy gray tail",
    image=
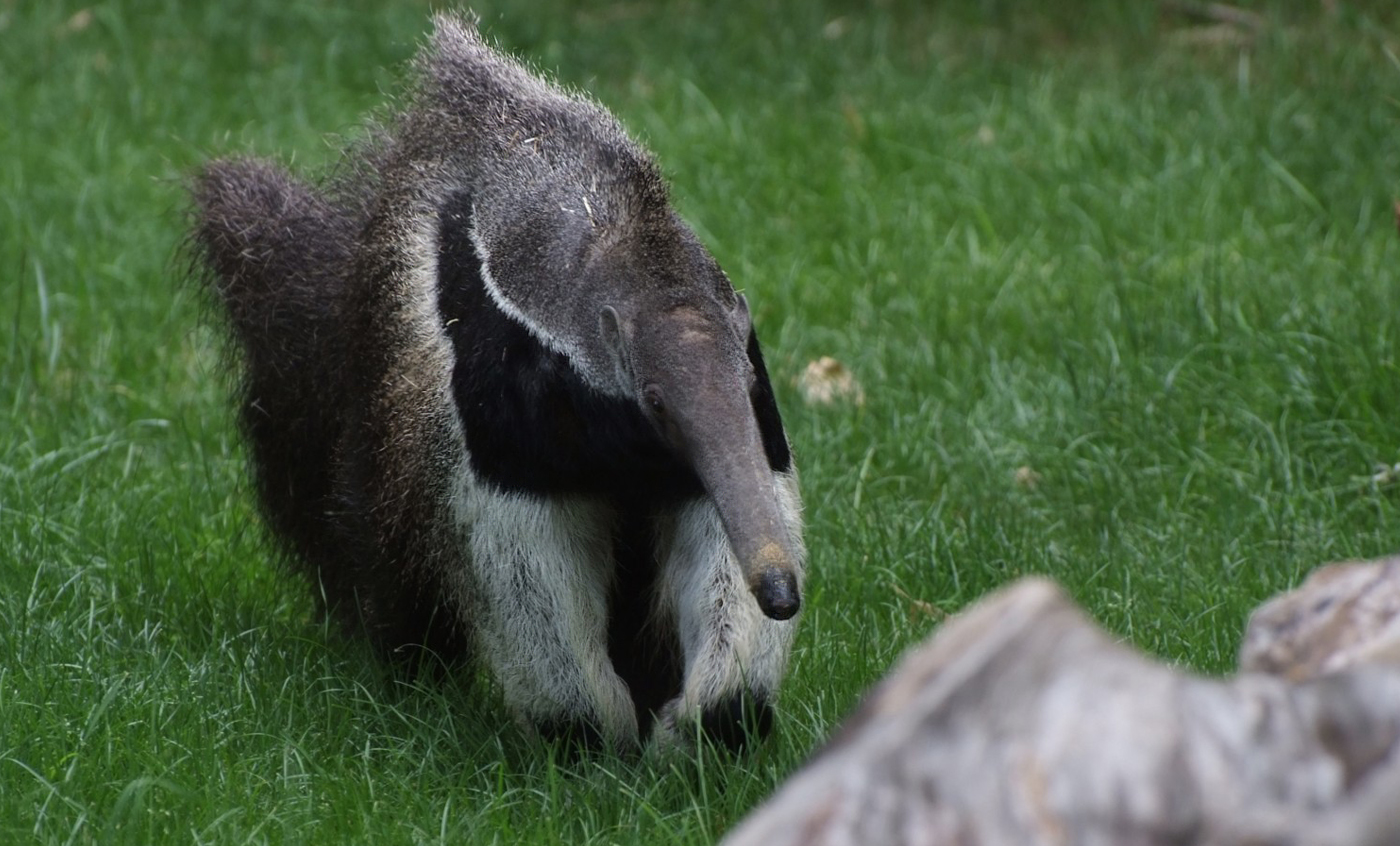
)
(277, 254)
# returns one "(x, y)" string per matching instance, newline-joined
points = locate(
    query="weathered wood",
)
(1022, 723)
(1342, 616)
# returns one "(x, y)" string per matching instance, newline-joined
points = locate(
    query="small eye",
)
(652, 396)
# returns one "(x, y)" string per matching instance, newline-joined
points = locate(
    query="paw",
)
(578, 734)
(737, 722)
(573, 736)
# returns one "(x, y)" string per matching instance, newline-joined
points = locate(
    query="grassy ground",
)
(1152, 264)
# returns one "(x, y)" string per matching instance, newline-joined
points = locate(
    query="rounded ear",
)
(743, 321)
(615, 341)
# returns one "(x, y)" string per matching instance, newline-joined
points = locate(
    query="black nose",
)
(777, 594)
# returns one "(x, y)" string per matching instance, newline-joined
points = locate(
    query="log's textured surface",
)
(1342, 616)
(1022, 723)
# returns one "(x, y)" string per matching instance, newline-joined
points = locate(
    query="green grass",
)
(1159, 272)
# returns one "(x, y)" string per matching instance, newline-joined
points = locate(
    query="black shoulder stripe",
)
(765, 409)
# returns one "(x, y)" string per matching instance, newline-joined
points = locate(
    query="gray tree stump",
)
(1022, 723)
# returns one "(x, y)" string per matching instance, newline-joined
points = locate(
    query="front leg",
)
(735, 657)
(542, 567)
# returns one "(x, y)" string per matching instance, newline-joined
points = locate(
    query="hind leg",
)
(735, 657)
(542, 569)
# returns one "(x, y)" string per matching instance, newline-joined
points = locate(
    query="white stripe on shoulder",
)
(570, 350)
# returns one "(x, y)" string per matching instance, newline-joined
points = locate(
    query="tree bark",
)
(1022, 723)
(1343, 616)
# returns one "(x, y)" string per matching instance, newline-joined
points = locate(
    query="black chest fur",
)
(532, 424)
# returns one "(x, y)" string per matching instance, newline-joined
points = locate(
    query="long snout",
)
(729, 457)
(772, 578)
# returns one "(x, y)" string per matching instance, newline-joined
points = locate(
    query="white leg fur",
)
(541, 574)
(728, 643)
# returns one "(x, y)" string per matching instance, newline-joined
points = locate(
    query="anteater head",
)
(679, 344)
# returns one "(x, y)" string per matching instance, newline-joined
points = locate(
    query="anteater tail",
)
(277, 255)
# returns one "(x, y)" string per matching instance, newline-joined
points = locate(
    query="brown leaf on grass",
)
(836, 28)
(1026, 477)
(1215, 35)
(1218, 24)
(827, 381)
(79, 21)
(919, 607)
(1216, 13)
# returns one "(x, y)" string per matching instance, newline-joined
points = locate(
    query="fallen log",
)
(1023, 723)
(1343, 615)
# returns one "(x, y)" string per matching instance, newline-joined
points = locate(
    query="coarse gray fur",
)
(379, 496)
